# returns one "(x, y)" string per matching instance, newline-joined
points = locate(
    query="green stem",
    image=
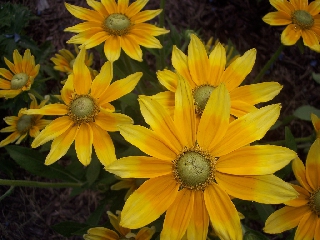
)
(268, 64)
(297, 140)
(128, 64)
(24, 183)
(7, 193)
(161, 38)
(36, 94)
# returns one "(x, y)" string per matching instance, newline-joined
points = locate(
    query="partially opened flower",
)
(204, 73)
(86, 114)
(101, 233)
(302, 20)
(21, 75)
(193, 170)
(22, 125)
(304, 211)
(119, 26)
(316, 124)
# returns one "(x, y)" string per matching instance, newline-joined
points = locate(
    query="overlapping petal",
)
(313, 165)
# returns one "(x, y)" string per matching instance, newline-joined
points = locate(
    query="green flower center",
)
(117, 24)
(24, 123)
(315, 202)
(201, 96)
(194, 169)
(19, 80)
(303, 19)
(83, 109)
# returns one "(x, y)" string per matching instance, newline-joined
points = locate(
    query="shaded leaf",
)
(304, 112)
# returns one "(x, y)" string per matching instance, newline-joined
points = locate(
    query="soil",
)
(28, 213)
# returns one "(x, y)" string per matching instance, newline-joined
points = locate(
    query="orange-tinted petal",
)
(180, 63)
(149, 29)
(217, 63)
(110, 5)
(50, 109)
(135, 7)
(147, 41)
(9, 93)
(96, 39)
(302, 199)
(144, 16)
(11, 138)
(277, 18)
(6, 73)
(306, 227)
(84, 13)
(83, 143)
(299, 171)
(98, 6)
(314, 8)
(81, 74)
(112, 48)
(299, 4)
(313, 165)
(99, 233)
(168, 79)
(131, 47)
(240, 108)
(102, 80)
(109, 121)
(4, 84)
(67, 92)
(309, 38)
(290, 35)
(283, 6)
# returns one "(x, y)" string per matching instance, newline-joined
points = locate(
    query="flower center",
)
(315, 202)
(24, 123)
(194, 169)
(19, 80)
(83, 109)
(201, 96)
(303, 19)
(117, 24)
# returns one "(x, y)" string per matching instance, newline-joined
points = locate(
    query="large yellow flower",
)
(87, 114)
(117, 25)
(22, 125)
(304, 211)
(205, 73)
(193, 170)
(23, 72)
(303, 20)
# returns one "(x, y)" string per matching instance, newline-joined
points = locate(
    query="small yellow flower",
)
(86, 114)
(118, 25)
(303, 211)
(303, 20)
(131, 183)
(316, 124)
(23, 72)
(101, 233)
(22, 125)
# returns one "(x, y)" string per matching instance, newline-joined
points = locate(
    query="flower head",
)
(316, 124)
(204, 74)
(302, 20)
(304, 211)
(21, 75)
(192, 169)
(101, 233)
(22, 125)
(86, 114)
(118, 25)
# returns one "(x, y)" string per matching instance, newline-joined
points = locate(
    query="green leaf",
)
(264, 210)
(316, 77)
(290, 140)
(93, 170)
(68, 228)
(304, 112)
(96, 215)
(254, 235)
(32, 161)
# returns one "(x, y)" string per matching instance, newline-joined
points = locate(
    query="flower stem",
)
(7, 193)
(297, 140)
(267, 66)
(161, 38)
(36, 94)
(24, 183)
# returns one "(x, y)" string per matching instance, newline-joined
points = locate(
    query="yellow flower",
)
(193, 170)
(316, 124)
(304, 211)
(23, 72)
(303, 20)
(87, 114)
(22, 125)
(117, 25)
(205, 73)
(131, 183)
(101, 233)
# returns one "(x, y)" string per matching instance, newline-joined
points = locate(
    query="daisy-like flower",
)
(23, 72)
(131, 183)
(193, 170)
(22, 125)
(204, 74)
(304, 211)
(101, 233)
(316, 124)
(119, 26)
(302, 20)
(86, 114)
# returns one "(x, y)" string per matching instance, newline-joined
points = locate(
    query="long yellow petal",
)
(317, 232)
(313, 165)
(10, 65)
(255, 160)
(168, 79)
(283, 6)
(314, 8)
(299, 4)
(81, 74)
(80, 27)
(302, 199)
(149, 29)
(135, 7)
(240, 108)
(217, 64)
(67, 92)
(306, 227)
(178, 216)
(109, 121)
(83, 143)
(96, 39)
(98, 6)
(166, 99)
(140, 167)
(4, 84)
(277, 18)
(51, 109)
(147, 41)
(267, 189)
(144, 16)
(99, 233)
(102, 80)
(247, 129)
(10, 139)
(290, 35)
(84, 13)
(223, 214)
(17, 59)
(149, 201)
(82, 37)
(6, 73)
(112, 48)
(180, 63)
(316, 123)
(131, 47)
(215, 118)
(9, 93)
(285, 219)
(309, 37)
(299, 171)
(110, 5)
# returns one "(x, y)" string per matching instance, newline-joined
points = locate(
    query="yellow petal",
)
(84, 13)
(82, 37)
(96, 39)
(135, 7)
(98, 7)
(10, 139)
(166, 99)
(277, 18)
(110, 5)
(50, 109)
(317, 232)
(267, 189)
(309, 38)
(199, 222)
(306, 227)
(302, 199)
(299, 4)
(109, 121)
(168, 79)
(149, 201)
(147, 141)
(140, 167)
(112, 48)
(215, 118)
(149, 29)
(178, 215)
(300, 173)
(122, 6)
(6, 73)
(314, 8)
(10, 65)
(247, 129)
(83, 143)
(255, 160)
(285, 219)
(147, 41)
(198, 61)
(9, 93)
(100, 233)
(53, 130)
(283, 6)
(17, 59)
(81, 74)
(180, 63)
(4, 84)
(67, 92)
(240, 108)
(145, 233)
(61, 144)
(217, 63)
(290, 35)
(102, 80)
(145, 16)
(131, 47)
(316, 122)
(80, 27)
(223, 214)
(313, 165)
